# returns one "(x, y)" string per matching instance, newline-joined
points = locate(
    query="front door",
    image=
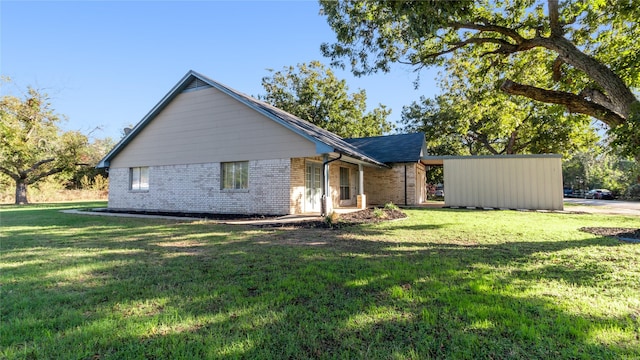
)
(313, 187)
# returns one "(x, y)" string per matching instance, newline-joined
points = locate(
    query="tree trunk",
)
(21, 192)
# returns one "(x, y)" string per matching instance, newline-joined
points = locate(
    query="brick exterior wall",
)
(197, 188)
(297, 191)
(388, 185)
(334, 183)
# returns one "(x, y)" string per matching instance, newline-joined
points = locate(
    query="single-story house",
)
(206, 147)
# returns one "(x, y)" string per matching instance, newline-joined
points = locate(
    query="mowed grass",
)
(453, 284)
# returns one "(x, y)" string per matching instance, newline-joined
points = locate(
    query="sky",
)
(106, 64)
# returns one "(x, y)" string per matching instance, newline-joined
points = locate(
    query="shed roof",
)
(324, 140)
(393, 148)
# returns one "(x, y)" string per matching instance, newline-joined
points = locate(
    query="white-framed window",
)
(235, 175)
(345, 191)
(139, 178)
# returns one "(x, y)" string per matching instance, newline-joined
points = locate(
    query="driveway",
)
(603, 206)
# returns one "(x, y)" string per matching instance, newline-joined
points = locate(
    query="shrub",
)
(85, 182)
(391, 206)
(100, 183)
(378, 213)
(332, 219)
(632, 192)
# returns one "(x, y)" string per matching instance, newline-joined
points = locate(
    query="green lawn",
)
(453, 284)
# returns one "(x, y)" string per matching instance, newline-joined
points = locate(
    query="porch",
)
(352, 186)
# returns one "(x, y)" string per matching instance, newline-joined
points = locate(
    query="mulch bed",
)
(200, 215)
(343, 220)
(366, 216)
(624, 234)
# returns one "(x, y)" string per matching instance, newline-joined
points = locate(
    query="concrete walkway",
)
(594, 206)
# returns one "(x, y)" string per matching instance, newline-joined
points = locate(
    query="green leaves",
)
(582, 55)
(32, 146)
(313, 93)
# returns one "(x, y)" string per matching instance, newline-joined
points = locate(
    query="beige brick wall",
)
(334, 183)
(297, 193)
(388, 185)
(196, 188)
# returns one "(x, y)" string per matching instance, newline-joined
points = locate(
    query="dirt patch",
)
(620, 233)
(372, 216)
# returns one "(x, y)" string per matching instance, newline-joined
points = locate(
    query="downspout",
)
(325, 183)
(405, 184)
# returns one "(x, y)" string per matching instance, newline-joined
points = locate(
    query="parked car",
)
(568, 192)
(603, 194)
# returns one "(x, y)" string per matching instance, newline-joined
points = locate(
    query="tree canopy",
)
(473, 117)
(313, 93)
(589, 49)
(32, 146)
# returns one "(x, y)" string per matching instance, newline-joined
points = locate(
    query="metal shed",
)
(508, 182)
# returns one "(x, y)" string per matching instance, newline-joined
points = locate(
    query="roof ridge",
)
(325, 140)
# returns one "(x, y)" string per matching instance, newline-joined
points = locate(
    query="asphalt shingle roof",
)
(374, 150)
(391, 148)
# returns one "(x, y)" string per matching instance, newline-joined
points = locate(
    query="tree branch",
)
(573, 102)
(44, 175)
(615, 89)
(554, 16)
(511, 33)
(35, 166)
(455, 46)
(485, 142)
(9, 173)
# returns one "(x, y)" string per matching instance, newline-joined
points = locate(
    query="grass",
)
(441, 284)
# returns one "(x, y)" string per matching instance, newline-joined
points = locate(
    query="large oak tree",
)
(591, 47)
(473, 117)
(32, 146)
(313, 93)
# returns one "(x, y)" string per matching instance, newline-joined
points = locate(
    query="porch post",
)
(361, 199)
(326, 191)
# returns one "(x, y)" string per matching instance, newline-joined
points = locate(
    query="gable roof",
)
(324, 140)
(393, 148)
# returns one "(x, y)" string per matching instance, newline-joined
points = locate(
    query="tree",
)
(32, 147)
(599, 168)
(313, 93)
(591, 48)
(476, 118)
(94, 152)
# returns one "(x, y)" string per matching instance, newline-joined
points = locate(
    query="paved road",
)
(603, 206)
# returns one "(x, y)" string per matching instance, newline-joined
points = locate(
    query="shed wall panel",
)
(207, 126)
(499, 182)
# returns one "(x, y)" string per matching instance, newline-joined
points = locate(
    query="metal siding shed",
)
(513, 182)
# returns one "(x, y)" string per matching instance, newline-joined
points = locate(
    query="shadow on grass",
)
(83, 287)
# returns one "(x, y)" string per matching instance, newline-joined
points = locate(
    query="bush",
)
(632, 193)
(100, 183)
(391, 206)
(378, 213)
(332, 219)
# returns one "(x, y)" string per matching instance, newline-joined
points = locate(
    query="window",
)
(344, 184)
(139, 178)
(235, 175)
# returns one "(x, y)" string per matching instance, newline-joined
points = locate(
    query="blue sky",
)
(107, 63)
